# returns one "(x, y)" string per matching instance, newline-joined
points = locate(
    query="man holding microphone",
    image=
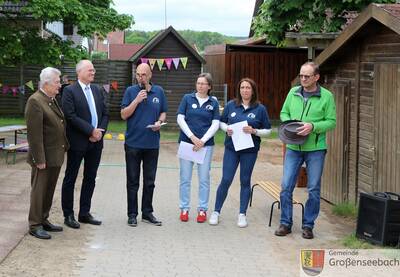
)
(143, 105)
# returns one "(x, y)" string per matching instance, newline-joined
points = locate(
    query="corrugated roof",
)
(9, 7)
(394, 9)
(123, 52)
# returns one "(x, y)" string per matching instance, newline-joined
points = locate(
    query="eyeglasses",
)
(305, 77)
(141, 75)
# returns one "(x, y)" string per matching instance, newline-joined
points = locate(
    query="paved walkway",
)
(176, 248)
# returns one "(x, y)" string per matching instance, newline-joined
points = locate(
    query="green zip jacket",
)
(319, 109)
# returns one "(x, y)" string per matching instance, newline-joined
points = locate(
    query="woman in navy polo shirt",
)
(198, 118)
(245, 107)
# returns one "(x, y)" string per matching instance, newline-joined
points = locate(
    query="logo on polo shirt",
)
(156, 100)
(209, 108)
(233, 114)
(194, 106)
(251, 115)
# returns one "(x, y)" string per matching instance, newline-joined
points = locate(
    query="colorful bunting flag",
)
(144, 60)
(22, 89)
(14, 91)
(30, 85)
(106, 88)
(152, 62)
(160, 63)
(176, 62)
(114, 85)
(184, 61)
(5, 89)
(168, 62)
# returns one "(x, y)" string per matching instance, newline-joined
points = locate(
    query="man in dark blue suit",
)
(87, 116)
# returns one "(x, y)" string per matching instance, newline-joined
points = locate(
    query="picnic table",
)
(17, 129)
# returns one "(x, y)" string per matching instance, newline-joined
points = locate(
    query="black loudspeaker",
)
(379, 218)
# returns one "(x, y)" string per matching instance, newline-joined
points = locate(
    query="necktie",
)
(92, 108)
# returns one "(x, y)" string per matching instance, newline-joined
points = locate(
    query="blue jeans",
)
(229, 167)
(314, 161)
(203, 171)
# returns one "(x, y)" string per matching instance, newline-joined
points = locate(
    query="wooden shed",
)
(176, 81)
(362, 68)
(271, 67)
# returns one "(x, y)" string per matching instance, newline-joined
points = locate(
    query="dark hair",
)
(208, 77)
(254, 94)
(314, 66)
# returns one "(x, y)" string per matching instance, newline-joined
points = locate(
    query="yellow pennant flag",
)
(184, 61)
(30, 85)
(152, 62)
(160, 63)
(1, 85)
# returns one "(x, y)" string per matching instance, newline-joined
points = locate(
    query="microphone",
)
(143, 87)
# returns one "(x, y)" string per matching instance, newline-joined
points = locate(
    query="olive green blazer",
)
(45, 130)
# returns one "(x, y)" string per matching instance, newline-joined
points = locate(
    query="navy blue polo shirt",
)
(198, 118)
(146, 113)
(256, 116)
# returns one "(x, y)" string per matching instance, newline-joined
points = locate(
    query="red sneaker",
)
(202, 216)
(184, 216)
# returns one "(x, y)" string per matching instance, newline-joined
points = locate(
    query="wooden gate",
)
(335, 176)
(387, 128)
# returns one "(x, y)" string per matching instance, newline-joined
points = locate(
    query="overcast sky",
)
(228, 17)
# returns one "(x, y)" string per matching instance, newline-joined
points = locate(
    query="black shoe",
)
(39, 233)
(150, 218)
(71, 222)
(282, 231)
(52, 228)
(132, 221)
(89, 219)
(307, 233)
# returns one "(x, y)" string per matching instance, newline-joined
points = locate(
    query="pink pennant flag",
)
(152, 62)
(168, 62)
(5, 89)
(144, 60)
(106, 88)
(176, 62)
(14, 91)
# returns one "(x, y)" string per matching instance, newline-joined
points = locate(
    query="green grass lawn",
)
(11, 121)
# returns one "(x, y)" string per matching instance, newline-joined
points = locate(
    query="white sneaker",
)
(214, 218)
(242, 221)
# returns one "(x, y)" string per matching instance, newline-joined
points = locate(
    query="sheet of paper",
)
(152, 125)
(186, 152)
(240, 139)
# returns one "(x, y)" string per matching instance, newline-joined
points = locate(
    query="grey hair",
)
(314, 65)
(80, 65)
(47, 75)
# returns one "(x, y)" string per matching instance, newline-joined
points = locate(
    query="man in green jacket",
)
(314, 106)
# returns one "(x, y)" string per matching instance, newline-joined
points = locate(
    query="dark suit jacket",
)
(77, 113)
(46, 131)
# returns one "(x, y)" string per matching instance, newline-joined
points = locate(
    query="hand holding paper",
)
(240, 139)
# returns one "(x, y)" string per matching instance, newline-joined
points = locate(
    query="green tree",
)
(200, 38)
(275, 17)
(21, 43)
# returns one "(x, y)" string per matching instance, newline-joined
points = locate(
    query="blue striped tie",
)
(90, 101)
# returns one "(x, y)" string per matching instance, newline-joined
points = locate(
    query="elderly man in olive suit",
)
(47, 146)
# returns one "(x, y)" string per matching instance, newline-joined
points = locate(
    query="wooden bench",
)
(274, 190)
(13, 150)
